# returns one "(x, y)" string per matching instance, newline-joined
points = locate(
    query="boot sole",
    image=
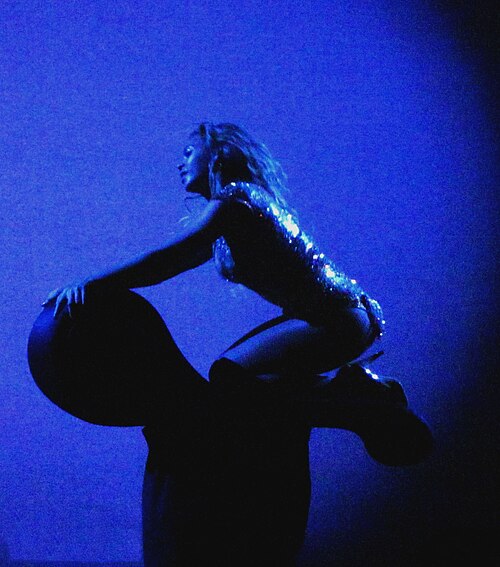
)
(392, 434)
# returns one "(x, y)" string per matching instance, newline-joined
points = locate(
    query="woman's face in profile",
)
(194, 167)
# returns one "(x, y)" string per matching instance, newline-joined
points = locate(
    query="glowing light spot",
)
(275, 210)
(329, 272)
(291, 226)
(372, 374)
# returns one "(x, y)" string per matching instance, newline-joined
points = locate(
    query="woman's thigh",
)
(296, 347)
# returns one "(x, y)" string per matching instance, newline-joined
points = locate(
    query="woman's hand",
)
(68, 296)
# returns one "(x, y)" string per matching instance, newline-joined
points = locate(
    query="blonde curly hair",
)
(235, 153)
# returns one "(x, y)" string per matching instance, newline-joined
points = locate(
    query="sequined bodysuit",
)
(264, 249)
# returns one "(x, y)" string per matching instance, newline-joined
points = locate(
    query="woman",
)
(254, 239)
(234, 489)
(328, 320)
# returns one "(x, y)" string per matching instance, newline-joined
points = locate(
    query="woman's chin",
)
(196, 188)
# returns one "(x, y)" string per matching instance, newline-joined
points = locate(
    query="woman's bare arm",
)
(189, 249)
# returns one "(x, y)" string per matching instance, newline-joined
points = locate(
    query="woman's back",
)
(264, 248)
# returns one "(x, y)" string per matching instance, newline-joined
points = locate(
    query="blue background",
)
(382, 114)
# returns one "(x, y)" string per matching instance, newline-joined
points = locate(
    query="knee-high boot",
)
(375, 408)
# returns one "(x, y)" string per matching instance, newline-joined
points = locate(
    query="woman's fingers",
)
(80, 294)
(61, 302)
(72, 299)
(52, 295)
(67, 297)
(77, 294)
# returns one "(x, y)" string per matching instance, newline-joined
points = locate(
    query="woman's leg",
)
(375, 409)
(294, 347)
(272, 447)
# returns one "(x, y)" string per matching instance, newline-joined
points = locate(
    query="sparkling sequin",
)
(271, 255)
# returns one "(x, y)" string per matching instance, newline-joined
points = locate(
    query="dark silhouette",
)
(227, 477)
